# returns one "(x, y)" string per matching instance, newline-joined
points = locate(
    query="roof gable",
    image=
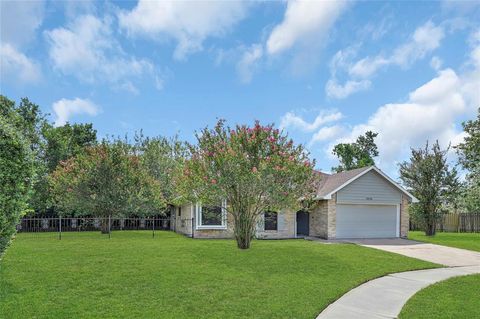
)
(335, 182)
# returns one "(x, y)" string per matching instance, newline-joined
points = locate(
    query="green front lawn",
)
(460, 240)
(457, 297)
(132, 275)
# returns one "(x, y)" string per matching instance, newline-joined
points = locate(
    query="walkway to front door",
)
(303, 227)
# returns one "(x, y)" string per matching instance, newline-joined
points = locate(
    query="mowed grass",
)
(460, 240)
(132, 275)
(457, 297)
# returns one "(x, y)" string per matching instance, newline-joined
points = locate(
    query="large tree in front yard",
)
(254, 169)
(431, 181)
(106, 180)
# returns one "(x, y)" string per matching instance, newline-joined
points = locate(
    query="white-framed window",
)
(211, 217)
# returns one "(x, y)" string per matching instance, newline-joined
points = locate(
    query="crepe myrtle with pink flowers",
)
(255, 169)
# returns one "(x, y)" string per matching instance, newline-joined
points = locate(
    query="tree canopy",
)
(106, 180)
(358, 154)
(163, 158)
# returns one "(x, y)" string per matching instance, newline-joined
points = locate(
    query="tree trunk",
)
(244, 229)
(104, 227)
(430, 227)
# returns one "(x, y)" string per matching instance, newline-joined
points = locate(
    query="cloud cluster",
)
(87, 49)
(291, 120)
(188, 23)
(304, 23)
(64, 109)
(424, 40)
(430, 112)
(14, 63)
(18, 25)
(304, 27)
(249, 62)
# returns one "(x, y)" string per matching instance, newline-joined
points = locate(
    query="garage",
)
(361, 203)
(367, 221)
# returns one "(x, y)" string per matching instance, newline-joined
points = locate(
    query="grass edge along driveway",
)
(470, 241)
(86, 275)
(457, 297)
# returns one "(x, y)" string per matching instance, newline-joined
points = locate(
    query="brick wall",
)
(404, 216)
(332, 217)
(217, 233)
(285, 226)
(319, 219)
(323, 219)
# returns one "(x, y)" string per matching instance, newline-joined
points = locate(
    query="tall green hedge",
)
(16, 170)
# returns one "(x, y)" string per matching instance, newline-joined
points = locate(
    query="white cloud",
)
(326, 133)
(290, 119)
(64, 109)
(368, 66)
(248, 62)
(303, 22)
(128, 87)
(15, 65)
(333, 89)
(423, 41)
(377, 28)
(87, 49)
(429, 113)
(436, 63)
(20, 20)
(475, 54)
(18, 24)
(188, 23)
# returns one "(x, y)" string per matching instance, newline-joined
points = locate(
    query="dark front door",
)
(302, 223)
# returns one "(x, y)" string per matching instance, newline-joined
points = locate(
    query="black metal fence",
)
(60, 226)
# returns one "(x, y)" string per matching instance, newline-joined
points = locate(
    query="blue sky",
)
(325, 72)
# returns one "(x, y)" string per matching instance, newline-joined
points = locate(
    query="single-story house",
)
(360, 203)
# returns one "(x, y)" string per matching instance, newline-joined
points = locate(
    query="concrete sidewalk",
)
(384, 297)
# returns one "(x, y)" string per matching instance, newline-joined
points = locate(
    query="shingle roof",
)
(331, 182)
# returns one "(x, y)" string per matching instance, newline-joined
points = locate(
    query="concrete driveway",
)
(384, 297)
(448, 256)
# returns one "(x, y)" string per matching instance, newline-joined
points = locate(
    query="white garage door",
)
(366, 221)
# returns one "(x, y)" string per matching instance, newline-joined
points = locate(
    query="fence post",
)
(59, 227)
(153, 227)
(109, 235)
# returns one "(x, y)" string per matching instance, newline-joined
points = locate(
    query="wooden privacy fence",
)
(461, 222)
